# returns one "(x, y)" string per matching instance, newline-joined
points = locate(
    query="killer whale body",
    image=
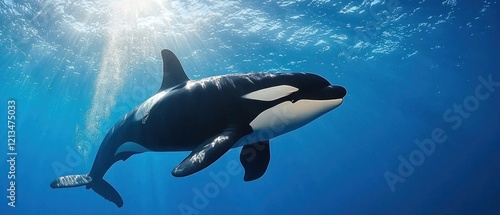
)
(208, 117)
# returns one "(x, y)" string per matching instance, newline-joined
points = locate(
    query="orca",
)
(208, 117)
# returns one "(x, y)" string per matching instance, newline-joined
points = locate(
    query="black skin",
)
(193, 111)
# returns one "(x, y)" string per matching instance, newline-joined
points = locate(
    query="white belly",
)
(286, 117)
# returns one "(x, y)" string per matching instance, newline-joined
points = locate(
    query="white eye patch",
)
(271, 93)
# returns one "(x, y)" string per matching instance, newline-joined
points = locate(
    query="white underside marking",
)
(286, 117)
(271, 93)
(131, 147)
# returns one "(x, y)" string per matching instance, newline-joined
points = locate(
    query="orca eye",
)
(271, 93)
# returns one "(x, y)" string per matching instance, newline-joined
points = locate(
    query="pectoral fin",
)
(255, 159)
(210, 150)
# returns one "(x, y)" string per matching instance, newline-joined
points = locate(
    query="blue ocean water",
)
(418, 132)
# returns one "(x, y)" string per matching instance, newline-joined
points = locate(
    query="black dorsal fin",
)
(173, 74)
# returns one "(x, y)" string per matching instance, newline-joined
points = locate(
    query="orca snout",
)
(337, 92)
(329, 92)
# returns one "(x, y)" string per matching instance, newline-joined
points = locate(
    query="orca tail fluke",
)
(107, 191)
(100, 186)
(71, 181)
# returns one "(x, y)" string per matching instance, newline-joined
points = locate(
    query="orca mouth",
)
(329, 92)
